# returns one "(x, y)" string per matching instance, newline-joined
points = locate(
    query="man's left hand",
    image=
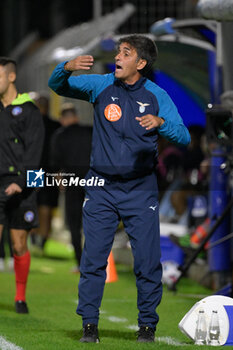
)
(13, 189)
(150, 121)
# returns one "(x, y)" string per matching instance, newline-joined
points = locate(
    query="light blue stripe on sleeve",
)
(84, 87)
(173, 129)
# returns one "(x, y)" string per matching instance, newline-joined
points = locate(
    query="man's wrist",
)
(66, 66)
(162, 121)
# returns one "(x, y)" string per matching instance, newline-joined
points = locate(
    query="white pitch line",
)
(133, 327)
(192, 296)
(117, 319)
(169, 341)
(102, 312)
(166, 340)
(6, 345)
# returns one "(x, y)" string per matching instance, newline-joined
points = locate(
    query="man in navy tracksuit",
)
(129, 113)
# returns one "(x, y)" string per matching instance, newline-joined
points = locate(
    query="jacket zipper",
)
(123, 128)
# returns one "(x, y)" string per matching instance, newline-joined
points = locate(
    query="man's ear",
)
(12, 77)
(141, 63)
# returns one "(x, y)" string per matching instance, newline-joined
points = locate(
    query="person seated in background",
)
(70, 153)
(192, 203)
(169, 165)
(174, 204)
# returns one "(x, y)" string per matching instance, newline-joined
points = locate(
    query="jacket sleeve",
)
(33, 143)
(173, 129)
(83, 87)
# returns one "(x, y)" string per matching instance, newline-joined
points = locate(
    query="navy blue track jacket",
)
(121, 147)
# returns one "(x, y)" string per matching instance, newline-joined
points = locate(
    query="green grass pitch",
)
(53, 324)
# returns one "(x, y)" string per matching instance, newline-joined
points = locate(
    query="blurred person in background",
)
(21, 140)
(187, 182)
(70, 153)
(169, 168)
(47, 197)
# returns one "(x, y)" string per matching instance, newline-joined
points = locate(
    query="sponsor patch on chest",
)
(112, 112)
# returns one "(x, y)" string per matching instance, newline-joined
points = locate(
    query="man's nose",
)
(117, 57)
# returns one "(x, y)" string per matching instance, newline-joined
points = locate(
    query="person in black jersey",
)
(21, 141)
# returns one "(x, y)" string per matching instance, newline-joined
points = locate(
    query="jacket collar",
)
(132, 87)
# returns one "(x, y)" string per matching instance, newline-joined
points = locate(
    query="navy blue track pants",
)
(136, 203)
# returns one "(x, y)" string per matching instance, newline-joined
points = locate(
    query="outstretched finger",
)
(86, 64)
(87, 57)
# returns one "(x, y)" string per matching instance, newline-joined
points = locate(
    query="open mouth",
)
(118, 67)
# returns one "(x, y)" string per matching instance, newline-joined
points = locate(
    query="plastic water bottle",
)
(214, 329)
(201, 329)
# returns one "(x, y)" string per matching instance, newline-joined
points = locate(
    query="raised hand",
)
(80, 62)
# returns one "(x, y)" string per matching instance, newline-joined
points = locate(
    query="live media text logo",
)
(38, 178)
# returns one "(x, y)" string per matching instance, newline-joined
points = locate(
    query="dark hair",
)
(4, 61)
(145, 47)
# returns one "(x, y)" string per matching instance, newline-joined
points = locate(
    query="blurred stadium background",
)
(34, 30)
(194, 63)
(195, 67)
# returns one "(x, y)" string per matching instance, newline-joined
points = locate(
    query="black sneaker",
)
(21, 307)
(90, 334)
(146, 335)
